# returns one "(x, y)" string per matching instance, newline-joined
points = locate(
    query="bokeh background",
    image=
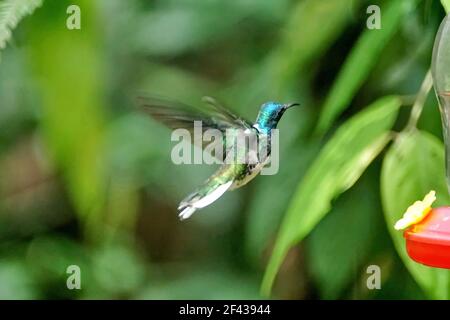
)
(87, 180)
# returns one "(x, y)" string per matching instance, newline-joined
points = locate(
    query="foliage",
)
(86, 180)
(413, 166)
(338, 166)
(360, 62)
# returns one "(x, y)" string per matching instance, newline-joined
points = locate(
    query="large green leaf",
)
(446, 5)
(413, 166)
(336, 169)
(361, 60)
(335, 255)
(69, 68)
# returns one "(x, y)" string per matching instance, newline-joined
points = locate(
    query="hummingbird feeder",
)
(440, 70)
(428, 242)
(427, 231)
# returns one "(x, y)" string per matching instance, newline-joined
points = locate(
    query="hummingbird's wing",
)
(176, 115)
(179, 115)
(231, 118)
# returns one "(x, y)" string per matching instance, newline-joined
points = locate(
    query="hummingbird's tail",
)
(204, 196)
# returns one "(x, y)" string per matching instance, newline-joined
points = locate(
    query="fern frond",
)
(11, 12)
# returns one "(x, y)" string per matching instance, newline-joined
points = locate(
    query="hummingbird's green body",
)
(232, 174)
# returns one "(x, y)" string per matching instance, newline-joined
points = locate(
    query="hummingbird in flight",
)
(231, 174)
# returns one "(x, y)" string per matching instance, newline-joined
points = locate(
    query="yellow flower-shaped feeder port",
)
(416, 212)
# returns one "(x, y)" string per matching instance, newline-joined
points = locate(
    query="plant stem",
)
(420, 101)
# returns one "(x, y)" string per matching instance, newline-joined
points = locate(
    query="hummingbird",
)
(230, 175)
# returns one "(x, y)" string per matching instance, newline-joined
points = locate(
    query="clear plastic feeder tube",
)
(440, 69)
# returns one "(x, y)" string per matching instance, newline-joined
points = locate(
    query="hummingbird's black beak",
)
(289, 105)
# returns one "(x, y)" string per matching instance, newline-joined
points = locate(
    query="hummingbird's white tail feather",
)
(186, 213)
(202, 198)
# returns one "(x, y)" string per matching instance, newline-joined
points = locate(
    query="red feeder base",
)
(429, 254)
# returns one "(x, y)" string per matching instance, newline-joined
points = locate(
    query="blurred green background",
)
(87, 180)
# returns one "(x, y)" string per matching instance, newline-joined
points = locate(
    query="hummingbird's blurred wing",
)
(179, 115)
(176, 115)
(231, 118)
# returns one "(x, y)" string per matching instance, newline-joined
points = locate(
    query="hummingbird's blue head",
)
(270, 113)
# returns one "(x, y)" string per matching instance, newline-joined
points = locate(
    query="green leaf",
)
(361, 60)
(446, 5)
(69, 68)
(11, 12)
(334, 256)
(312, 28)
(412, 167)
(339, 165)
